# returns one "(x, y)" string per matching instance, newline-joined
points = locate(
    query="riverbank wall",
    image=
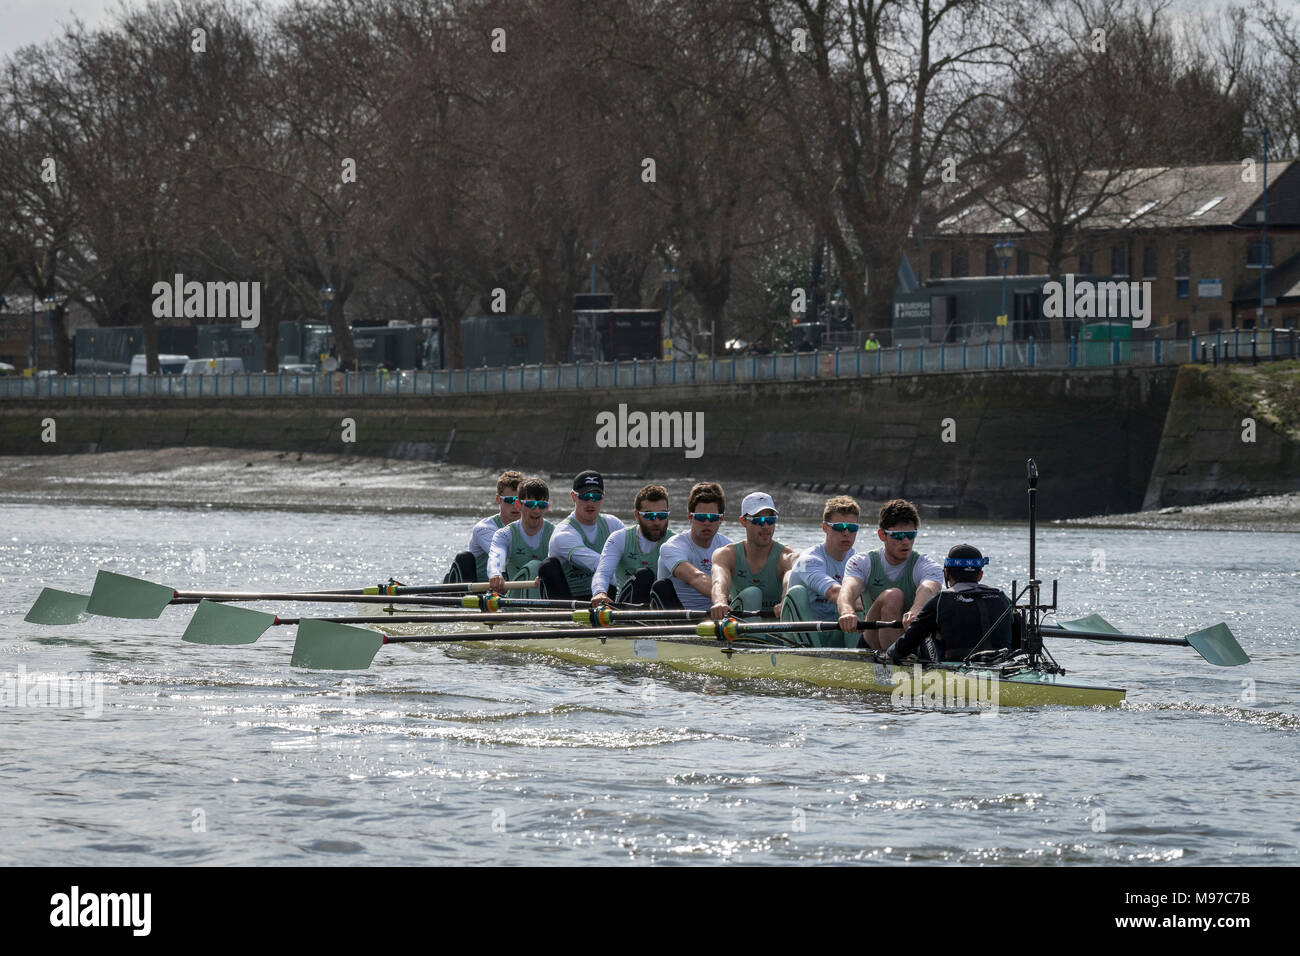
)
(1110, 440)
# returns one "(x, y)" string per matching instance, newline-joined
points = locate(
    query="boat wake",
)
(1272, 719)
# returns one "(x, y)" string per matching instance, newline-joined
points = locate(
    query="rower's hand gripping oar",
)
(326, 645)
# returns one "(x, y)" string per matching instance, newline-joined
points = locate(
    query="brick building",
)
(1192, 231)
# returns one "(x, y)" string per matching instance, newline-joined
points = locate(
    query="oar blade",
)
(215, 623)
(116, 595)
(327, 646)
(1091, 622)
(1218, 646)
(57, 607)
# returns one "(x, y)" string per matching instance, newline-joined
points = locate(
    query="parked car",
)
(170, 364)
(225, 365)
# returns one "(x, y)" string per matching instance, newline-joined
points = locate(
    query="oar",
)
(326, 645)
(117, 595)
(215, 623)
(458, 587)
(57, 607)
(1216, 644)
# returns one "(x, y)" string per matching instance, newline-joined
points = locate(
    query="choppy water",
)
(226, 755)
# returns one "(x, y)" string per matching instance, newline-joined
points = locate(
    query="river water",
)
(227, 755)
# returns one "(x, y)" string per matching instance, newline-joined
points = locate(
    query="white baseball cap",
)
(756, 502)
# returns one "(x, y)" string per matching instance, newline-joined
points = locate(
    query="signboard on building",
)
(1209, 288)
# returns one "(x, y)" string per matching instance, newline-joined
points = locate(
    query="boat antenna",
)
(1033, 636)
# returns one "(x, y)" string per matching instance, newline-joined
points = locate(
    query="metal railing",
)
(1231, 346)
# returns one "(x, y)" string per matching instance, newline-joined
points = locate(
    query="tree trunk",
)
(270, 334)
(59, 340)
(150, 326)
(342, 335)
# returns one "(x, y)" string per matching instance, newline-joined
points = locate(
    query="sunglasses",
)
(848, 526)
(590, 496)
(509, 499)
(761, 520)
(653, 515)
(902, 535)
(705, 516)
(535, 503)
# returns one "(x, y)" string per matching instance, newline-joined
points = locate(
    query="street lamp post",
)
(327, 297)
(46, 306)
(1004, 249)
(671, 272)
(1262, 216)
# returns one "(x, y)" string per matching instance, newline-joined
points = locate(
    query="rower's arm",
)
(724, 566)
(608, 563)
(847, 596)
(499, 552)
(925, 591)
(689, 574)
(480, 539)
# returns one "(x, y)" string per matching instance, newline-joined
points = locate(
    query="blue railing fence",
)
(935, 358)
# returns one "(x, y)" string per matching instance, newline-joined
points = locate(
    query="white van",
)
(226, 365)
(170, 364)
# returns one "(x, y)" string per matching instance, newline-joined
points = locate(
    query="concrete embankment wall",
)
(1226, 438)
(1095, 434)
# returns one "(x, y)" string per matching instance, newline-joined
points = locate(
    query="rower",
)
(752, 572)
(967, 616)
(896, 579)
(820, 570)
(630, 558)
(686, 559)
(524, 542)
(471, 565)
(578, 541)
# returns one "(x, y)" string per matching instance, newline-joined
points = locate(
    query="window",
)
(1216, 324)
(1182, 270)
(1205, 207)
(1085, 262)
(1149, 261)
(991, 265)
(1252, 254)
(936, 264)
(960, 262)
(1022, 262)
(1118, 260)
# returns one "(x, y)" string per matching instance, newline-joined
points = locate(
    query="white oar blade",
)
(222, 624)
(327, 646)
(57, 607)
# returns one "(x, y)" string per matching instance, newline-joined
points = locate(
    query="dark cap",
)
(588, 481)
(965, 556)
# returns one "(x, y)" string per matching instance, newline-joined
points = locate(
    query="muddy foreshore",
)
(284, 481)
